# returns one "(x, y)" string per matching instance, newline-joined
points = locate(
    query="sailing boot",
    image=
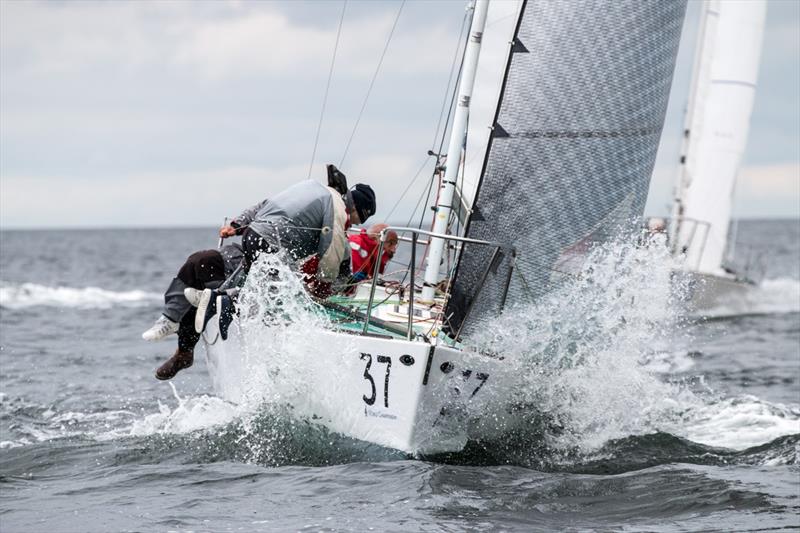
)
(227, 310)
(206, 308)
(176, 363)
(193, 295)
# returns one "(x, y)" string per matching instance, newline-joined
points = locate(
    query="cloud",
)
(112, 111)
(768, 191)
(270, 43)
(46, 38)
(212, 41)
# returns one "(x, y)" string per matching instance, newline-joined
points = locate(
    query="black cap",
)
(363, 200)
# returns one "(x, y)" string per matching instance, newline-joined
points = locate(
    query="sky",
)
(177, 113)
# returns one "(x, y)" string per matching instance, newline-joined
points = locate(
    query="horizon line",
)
(114, 227)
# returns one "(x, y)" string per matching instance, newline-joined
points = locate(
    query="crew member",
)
(364, 247)
(203, 269)
(306, 219)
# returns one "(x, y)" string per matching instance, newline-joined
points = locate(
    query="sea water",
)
(645, 418)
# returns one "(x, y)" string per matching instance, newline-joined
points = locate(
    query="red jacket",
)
(363, 255)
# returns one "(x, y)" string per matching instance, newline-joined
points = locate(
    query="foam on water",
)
(26, 295)
(35, 423)
(594, 353)
(281, 341)
(191, 414)
(780, 295)
(740, 423)
(280, 328)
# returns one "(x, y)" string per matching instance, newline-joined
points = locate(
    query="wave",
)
(771, 296)
(34, 423)
(740, 423)
(272, 436)
(203, 429)
(632, 453)
(21, 296)
(191, 414)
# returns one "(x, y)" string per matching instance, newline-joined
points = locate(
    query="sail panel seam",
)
(555, 134)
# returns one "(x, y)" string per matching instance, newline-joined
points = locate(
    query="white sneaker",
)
(193, 295)
(203, 309)
(163, 327)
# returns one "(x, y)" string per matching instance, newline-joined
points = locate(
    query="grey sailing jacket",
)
(293, 218)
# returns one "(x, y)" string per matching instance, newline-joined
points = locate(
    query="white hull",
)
(408, 395)
(707, 292)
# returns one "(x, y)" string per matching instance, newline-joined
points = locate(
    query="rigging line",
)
(408, 224)
(421, 199)
(327, 89)
(414, 212)
(411, 183)
(438, 125)
(460, 188)
(449, 114)
(422, 218)
(372, 83)
(453, 97)
(450, 77)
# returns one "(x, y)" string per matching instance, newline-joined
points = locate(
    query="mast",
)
(700, 71)
(455, 147)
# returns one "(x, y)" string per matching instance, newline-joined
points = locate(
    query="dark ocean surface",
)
(91, 442)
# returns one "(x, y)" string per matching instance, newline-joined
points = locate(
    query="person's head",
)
(656, 225)
(374, 231)
(363, 203)
(390, 246)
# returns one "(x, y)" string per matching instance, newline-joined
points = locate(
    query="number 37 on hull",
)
(419, 398)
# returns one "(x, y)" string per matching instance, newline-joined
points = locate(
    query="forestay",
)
(577, 123)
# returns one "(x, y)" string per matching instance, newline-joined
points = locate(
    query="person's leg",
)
(184, 355)
(200, 270)
(202, 267)
(213, 302)
(175, 304)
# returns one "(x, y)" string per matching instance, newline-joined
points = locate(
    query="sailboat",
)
(715, 136)
(557, 120)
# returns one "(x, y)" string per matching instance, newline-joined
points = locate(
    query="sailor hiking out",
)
(201, 270)
(306, 219)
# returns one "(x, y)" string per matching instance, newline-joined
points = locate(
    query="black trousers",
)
(201, 270)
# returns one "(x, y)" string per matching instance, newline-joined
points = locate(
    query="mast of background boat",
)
(701, 65)
(455, 148)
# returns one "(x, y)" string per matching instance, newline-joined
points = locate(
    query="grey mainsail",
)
(574, 141)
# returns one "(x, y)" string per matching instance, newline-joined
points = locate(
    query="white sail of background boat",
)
(715, 136)
(569, 103)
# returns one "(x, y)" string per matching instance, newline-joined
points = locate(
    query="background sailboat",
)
(715, 136)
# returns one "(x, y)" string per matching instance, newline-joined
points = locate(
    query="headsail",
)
(574, 140)
(717, 120)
